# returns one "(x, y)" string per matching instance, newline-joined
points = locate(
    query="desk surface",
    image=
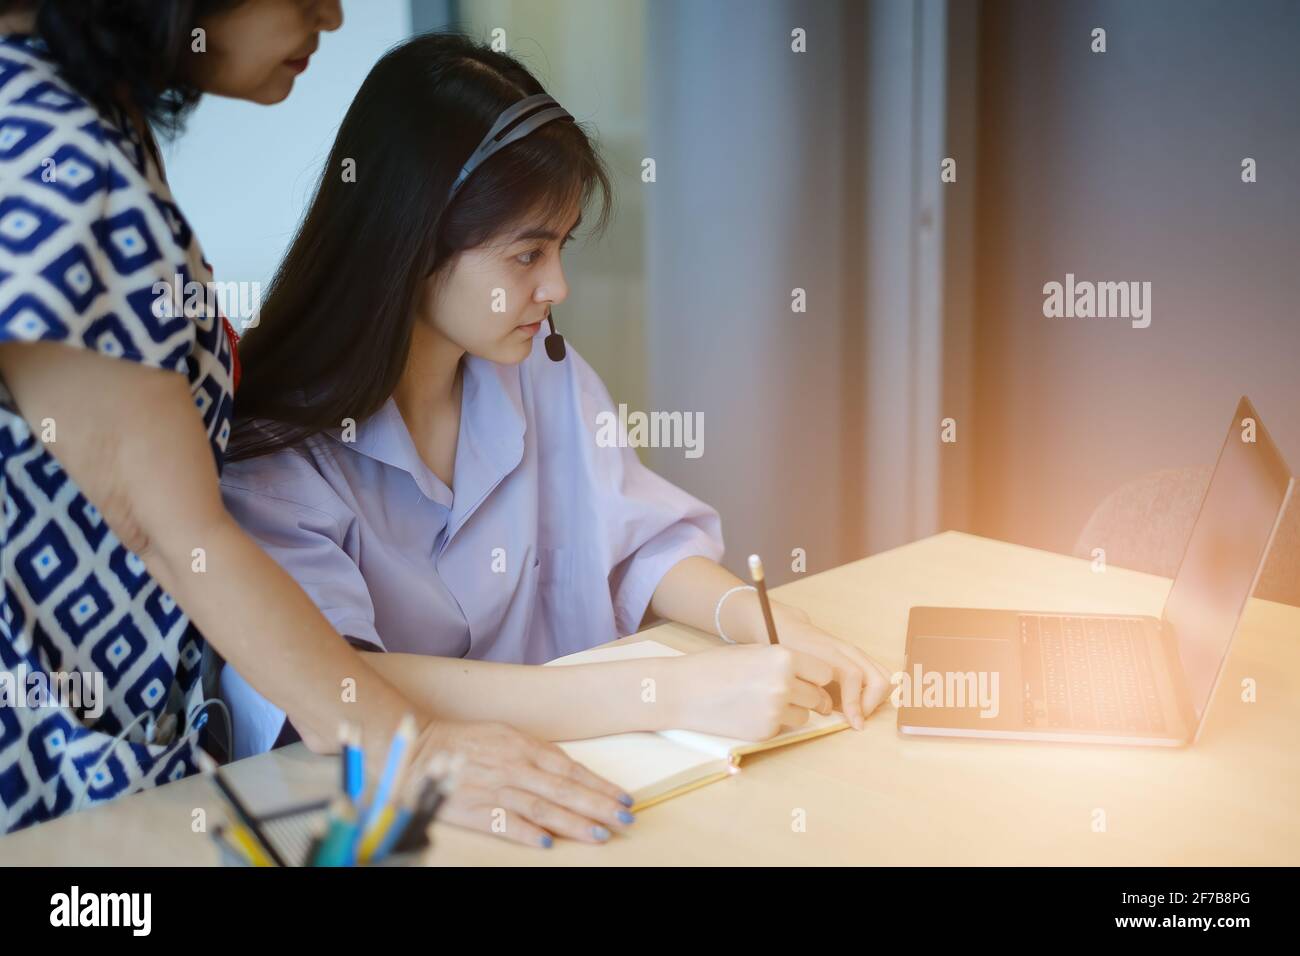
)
(877, 797)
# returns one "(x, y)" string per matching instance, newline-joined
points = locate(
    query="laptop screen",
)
(1225, 550)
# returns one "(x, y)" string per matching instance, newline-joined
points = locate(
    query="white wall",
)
(1127, 166)
(755, 196)
(243, 173)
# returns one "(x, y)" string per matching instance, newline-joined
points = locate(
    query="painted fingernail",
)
(546, 841)
(600, 833)
(626, 817)
(626, 799)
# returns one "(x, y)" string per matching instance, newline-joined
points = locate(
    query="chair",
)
(1145, 524)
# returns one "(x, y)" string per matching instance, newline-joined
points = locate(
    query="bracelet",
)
(717, 612)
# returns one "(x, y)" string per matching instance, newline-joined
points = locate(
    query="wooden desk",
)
(875, 796)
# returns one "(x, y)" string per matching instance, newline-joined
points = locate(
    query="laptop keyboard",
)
(1093, 673)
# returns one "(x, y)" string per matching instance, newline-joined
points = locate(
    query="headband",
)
(542, 108)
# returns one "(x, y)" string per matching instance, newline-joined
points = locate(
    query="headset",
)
(524, 116)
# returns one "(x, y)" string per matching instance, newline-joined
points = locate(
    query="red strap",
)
(234, 343)
(234, 353)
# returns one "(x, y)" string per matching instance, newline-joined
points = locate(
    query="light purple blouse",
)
(550, 544)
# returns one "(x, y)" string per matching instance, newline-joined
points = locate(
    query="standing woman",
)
(114, 417)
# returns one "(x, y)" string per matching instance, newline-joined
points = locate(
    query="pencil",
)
(221, 836)
(401, 819)
(399, 752)
(437, 780)
(756, 572)
(244, 839)
(335, 845)
(374, 837)
(247, 819)
(352, 758)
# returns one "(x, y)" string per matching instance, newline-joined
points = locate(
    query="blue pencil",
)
(354, 777)
(397, 753)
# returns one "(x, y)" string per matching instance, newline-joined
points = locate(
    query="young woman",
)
(405, 448)
(114, 418)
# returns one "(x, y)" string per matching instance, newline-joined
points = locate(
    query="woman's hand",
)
(522, 788)
(747, 691)
(689, 593)
(863, 683)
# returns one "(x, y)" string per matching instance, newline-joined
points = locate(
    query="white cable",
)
(190, 730)
(90, 775)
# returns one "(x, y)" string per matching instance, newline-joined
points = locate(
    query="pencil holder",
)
(292, 832)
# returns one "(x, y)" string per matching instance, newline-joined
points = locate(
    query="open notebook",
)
(654, 767)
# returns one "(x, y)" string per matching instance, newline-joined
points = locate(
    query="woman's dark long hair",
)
(333, 335)
(120, 53)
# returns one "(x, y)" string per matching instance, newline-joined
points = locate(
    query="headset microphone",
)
(554, 341)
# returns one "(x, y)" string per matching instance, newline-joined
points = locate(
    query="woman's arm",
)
(129, 437)
(555, 703)
(749, 692)
(131, 440)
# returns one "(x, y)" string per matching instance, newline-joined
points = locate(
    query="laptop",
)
(1107, 678)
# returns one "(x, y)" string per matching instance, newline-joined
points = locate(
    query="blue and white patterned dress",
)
(87, 227)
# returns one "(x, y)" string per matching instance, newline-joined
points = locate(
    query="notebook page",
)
(639, 763)
(619, 652)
